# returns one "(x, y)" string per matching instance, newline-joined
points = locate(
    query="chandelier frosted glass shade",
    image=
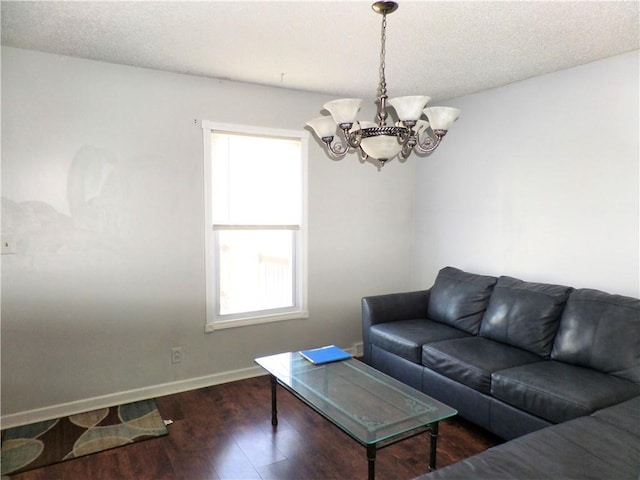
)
(409, 108)
(441, 118)
(410, 132)
(323, 126)
(378, 146)
(344, 111)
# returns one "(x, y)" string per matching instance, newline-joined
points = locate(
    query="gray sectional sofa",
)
(512, 356)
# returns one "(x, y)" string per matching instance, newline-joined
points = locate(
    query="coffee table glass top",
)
(369, 405)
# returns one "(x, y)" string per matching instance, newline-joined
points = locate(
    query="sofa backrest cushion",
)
(524, 314)
(459, 298)
(600, 331)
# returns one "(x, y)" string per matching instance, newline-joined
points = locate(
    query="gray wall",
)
(102, 191)
(539, 180)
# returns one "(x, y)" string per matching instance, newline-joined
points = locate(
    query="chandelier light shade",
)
(382, 142)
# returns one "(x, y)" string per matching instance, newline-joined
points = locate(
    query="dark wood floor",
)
(225, 432)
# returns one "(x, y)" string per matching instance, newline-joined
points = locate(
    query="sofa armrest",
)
(389, 308)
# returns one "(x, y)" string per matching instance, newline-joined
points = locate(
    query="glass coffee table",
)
(372, 408)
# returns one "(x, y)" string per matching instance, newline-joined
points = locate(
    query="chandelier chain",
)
(382, 88)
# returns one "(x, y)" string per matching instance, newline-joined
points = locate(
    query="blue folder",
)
(327, 354)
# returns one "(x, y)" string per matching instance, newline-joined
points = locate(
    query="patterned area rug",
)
(44, 443)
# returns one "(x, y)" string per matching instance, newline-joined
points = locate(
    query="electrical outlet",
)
(176, 355)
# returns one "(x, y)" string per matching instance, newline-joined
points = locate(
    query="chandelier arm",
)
(408, 146)
(336, 149)
(407, 136)
(430, 144)
(352, 138)
(363, 154)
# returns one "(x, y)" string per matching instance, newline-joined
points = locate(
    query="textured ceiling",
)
(443, 49)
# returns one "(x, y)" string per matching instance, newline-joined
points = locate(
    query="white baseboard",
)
(119, 398)
(89, 404)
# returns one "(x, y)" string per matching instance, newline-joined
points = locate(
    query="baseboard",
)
(87, 405)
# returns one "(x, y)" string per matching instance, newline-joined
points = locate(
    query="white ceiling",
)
(439, 48)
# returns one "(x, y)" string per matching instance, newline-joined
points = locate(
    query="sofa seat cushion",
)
(585, 448)
(472, 360)
(406, 337)
(558, 391)
(625, 415)
(460, 298)
(524, 314)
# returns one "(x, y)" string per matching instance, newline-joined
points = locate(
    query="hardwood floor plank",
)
(225, 433)
(258, 446)
(227, 458)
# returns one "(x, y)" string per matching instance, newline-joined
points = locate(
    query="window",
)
(255, 204)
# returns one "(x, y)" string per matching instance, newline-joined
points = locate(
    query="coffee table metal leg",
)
(274, 402)
(371, 460)
(433, 433)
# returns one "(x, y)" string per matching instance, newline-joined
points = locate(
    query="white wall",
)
(539, 180)
(102, 191)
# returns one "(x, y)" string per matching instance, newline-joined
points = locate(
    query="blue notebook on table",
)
(327, 354)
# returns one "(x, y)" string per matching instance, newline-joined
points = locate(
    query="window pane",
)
(256, 180)
(256, 270)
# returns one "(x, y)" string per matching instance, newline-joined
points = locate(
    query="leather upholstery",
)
(390, 308)
(399, 368)
(600, 331)
(471, 404)
(625, 415)
(406, 337)
(510, 422)
(508, 373)
(585, 448)
(524, 314)
(395, 306)
(558, 391)
(459, 298)
(472, 360)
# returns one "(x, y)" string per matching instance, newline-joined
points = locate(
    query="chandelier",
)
(380, 141)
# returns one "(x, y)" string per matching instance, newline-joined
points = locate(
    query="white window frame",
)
(214, 321)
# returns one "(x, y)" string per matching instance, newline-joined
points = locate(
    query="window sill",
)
(245, 322)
